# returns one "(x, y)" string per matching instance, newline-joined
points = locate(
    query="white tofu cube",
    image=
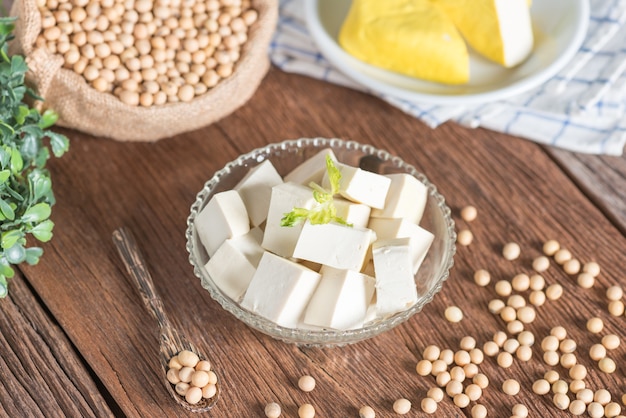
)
(286, 196)
(340, 300)
(255, 189)
(356, 214)
(280, 290)
(395, 282)
(361, 186)
(420, 239)
(223, 217)
(334, 245)
(312, 170)
(406, 199)
(234, 263)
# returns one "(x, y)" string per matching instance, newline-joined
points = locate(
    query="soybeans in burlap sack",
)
(81, 107)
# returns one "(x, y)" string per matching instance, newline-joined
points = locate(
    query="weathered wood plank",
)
(602, 178)
(42, 374)
(149, 187)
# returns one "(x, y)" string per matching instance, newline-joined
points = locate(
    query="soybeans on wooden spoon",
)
(188, 375)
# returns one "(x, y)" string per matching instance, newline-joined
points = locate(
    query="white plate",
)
(560, 28)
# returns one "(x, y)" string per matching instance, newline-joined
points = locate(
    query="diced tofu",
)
(356, 214)
(395, 283)
(280, 290)
(312, 170)
(234, 263)
(406, 199)
(223, 217)
(340, 300)
(370, 315)
(255, 189)
(420, 239)
(334, 245)
(286, 196)
(361, 186)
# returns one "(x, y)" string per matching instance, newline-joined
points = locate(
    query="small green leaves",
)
(6, 26)
(325, 211)
(43, 231)
(40, 185)
(5, 268)
(334, 176)
(48, 118)
(10, 238)
(39, 212)
(16, 254)
(59, 143)
(33, 254)
(26, 144)
(17, 163)
(6, 210)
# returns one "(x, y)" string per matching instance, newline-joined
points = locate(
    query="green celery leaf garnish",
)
(325, 211)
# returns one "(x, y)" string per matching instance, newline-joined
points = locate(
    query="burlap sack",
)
(101, 114)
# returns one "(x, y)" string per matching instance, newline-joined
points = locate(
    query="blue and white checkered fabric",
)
(581, 109)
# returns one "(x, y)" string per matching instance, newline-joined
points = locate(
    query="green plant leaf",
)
(296, 216)
(334, 175)
(325, 211)
(5, 268)
(15, 254)
(17, 163)
(7, 25)
(40, 185)
(33, 254)
(43, 231)
(5, 156)
(21, 114)
(48, 118)
(4, 175)
(5, 127)
(6, 210)
(30, 144)
(18, 65)
(37, 213)
(42, 156)
(26, 144)
(59, 143)
(10, 238)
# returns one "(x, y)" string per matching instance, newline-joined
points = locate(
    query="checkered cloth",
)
(581, 109)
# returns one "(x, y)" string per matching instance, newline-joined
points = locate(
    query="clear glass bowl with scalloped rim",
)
(285, 156)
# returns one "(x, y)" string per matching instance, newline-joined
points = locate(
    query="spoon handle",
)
(135, 263)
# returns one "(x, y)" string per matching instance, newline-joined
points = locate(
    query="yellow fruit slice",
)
(412, 37)
(500, 30)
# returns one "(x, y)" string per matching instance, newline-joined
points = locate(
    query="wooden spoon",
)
(171, 341)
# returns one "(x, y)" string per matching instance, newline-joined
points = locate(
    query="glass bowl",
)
(285, 156)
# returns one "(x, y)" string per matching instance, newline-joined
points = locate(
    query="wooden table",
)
(76, 340)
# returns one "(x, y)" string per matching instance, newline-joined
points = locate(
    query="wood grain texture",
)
(521, 193)
(602, 178)
(42, 374)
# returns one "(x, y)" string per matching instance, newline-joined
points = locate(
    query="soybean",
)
(428, 405)
(119, 34)
(511, 387)
(511, 251)
(272, 410)
(306, 411)
(306, 383)
(402, 406)
(469, 213)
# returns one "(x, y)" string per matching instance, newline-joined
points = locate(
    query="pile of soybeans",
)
(147, 52)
